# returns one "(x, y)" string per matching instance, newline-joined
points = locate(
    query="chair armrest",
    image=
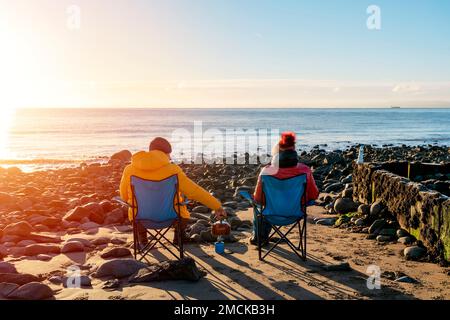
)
(247, 196)
(121, 201)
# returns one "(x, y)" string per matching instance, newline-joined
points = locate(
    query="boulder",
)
(100, 241)
(22, 229)
(35, 249)
(72, 246)
(89, 225)
(76, 214)
(6, 267)
(18, 278)
(231, 204)
(106, 205)
(115, 253)
(115, 216)
(364, 209)
(25, 243)
(376, 208)
(7, 288)
(119, 268)
(334, 187)
(384, 238)
(201, 209)
(376, 226)
(122, 156)
(406, 240)
(84, 241)
(32, 291)
(402, 233)
(184, 269)
(414, 253)
(388, 232)
(347, 193)
(96, 212)
(3, 251)
(344, 205)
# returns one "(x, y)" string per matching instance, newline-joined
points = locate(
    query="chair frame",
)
(158, 235)
(301, 223)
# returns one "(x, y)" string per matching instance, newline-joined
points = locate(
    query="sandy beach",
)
(57, 220)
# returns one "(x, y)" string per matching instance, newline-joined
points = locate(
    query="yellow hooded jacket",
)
(155, 165)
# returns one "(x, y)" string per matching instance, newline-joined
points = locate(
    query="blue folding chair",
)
(153, 204)
(284, 204)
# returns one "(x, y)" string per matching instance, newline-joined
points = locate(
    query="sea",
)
(35, 139)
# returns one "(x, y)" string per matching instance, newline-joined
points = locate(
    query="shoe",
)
(254, 241)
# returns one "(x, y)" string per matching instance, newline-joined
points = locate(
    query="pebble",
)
(326, 221)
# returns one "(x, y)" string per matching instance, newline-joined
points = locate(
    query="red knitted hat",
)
(287, 140)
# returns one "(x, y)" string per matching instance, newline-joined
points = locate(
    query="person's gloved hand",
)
(220, 214)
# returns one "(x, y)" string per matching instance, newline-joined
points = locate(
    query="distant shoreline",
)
(223, 108)
(31, 165)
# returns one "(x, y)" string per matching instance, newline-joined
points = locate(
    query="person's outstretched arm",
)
(125, 184)
(194, 192)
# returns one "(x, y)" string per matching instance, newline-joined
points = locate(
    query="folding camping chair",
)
(153, 205)
(284, 204)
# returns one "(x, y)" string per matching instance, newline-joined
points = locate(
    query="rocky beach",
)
(56, 222)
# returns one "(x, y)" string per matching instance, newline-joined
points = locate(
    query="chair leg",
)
(134, 240)
(258, 235)
(304, 239)
(180, 239)
(300, 233)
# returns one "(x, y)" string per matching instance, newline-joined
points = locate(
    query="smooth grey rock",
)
(344, 205)
(375, 208)
(72, 246)
(6, 288)
(6, 267)
(119, 268)
(376, 226)
(383, 238)
(326, 221)
(414, 253)
(115, 253)
(32, 291)
(406, 240)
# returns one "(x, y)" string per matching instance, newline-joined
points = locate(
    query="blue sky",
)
(219, 53)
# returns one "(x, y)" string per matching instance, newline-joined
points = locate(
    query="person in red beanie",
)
(285, 164)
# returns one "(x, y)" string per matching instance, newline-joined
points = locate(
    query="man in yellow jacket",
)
(156, 165)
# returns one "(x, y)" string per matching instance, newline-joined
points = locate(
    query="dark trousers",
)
(143, 236)
(265, 229)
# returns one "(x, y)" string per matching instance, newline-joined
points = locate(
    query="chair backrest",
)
(283, 197)
(154, 200)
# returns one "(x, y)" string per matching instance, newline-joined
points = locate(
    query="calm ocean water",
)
(80, 134)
